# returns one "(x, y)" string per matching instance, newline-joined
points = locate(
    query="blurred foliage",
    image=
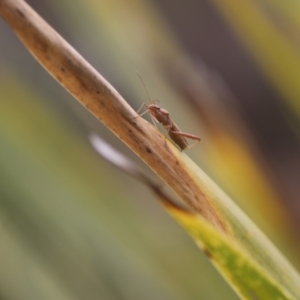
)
(68, 222)
(270, 36)
(74, 228)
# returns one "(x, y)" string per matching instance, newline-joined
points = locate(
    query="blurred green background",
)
(74, 227)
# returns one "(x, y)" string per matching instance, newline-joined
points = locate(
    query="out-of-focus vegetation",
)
(73, 227)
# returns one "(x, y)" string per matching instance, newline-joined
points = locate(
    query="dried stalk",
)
(76, 75)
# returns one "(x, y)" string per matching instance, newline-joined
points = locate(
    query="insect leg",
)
(188, 136)
(153, 120)
(144, 104)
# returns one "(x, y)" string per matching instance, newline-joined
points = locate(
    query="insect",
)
(163, 117)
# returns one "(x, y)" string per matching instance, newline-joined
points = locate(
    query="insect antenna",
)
(144, 86)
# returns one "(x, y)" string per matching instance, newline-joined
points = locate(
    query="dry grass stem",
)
(76, 75)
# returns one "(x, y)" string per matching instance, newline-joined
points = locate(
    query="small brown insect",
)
(163, 117)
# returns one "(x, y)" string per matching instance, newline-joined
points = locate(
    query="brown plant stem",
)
(76, 75)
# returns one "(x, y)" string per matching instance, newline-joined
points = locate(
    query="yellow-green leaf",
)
(247, 277)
